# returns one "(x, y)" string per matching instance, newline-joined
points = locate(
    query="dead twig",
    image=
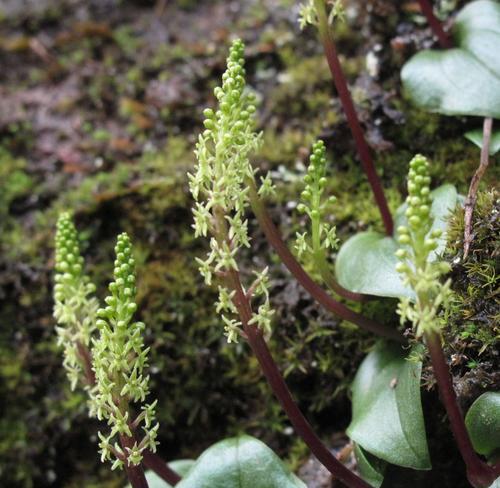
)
(470, 201)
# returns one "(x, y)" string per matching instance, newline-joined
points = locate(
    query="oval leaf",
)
(476, 136)
(464, 80)
(370, 468)
(240, 462)
(181, 467)
(387, 419)
(366, 263)
(483, 423)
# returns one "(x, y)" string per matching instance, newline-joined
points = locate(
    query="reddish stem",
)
(435, 24)
(86, 359)
(150, 459)
(135, 474)
(479, 473)
(156, 464)
(318, 293)
(352, 118)
(282, 393)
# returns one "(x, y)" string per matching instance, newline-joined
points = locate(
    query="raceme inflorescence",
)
(75, 307)
(119, 361)
(219, 187)
(419, 271)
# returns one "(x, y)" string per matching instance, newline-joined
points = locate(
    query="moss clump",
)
(473, 336)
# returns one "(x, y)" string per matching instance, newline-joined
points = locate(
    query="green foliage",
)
(240, 462)
(387, 419)
(476, 137)
(463, 80)
(377, 252)
(483, 423)
(119, 358)
(371, 468)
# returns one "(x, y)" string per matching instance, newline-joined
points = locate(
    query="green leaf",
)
(387, 419)
(483, 423)
(181, 467)
(476, 136)
(366, 263)
(240, 462)
(371, 468)
(464, 80)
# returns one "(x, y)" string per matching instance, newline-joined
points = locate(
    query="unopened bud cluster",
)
(323, 235)
(220, 185)
(119, 360)
(419, 272)
(75, 307)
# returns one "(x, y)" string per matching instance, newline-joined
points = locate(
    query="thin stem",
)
(435, 24)
(470, 201)
(352, 118)
(282, 393)
(135, 474)
(86, 360)
(150, 459)
(156, 464)
(322, 267)
(318, 293)
(479, 474)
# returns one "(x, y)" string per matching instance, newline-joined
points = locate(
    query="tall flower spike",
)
(219, 186)
(323, 235)
(75, 307)
(418, 271)
(119, 360)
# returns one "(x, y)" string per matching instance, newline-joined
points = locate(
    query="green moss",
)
(474, 331)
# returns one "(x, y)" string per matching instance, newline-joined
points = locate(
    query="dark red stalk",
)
(135, 474)
(320, 295)
(479, 474)
(150, 459)
(352, 118)
(282, 393)
(156, 464)
(436, 26)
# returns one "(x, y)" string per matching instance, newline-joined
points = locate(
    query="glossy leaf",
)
(476, 136)
(387, 419)
(366, 263)
(240, 462)
(483, 423)
(370, 468)
(464, 80)
(181, 467)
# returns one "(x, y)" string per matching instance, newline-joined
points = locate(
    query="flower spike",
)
(418, 271)
(220, 189)
(75, 307)
(119, 361)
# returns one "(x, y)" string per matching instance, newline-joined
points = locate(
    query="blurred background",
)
(100, 107)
